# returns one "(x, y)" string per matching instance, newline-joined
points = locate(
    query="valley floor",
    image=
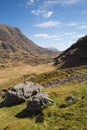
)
(14, 74)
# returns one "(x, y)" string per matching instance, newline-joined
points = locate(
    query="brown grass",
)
(13, 73)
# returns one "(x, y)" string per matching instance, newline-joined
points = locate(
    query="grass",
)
(58, 116)
(41, 74)
(69, 117)
(13, 75)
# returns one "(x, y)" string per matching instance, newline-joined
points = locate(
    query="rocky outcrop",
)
(73, 78)
(34, 105)
(22, 92)
(30, 92)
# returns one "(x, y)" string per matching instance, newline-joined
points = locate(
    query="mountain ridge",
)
(15, 46)
(74, 56)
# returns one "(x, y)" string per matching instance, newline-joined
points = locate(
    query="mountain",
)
(74, 56)
(16, 47)
(53, 49)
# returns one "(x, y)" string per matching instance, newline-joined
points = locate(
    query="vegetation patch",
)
(54, 117)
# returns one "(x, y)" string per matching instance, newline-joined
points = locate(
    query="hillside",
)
(74, 56)
(16, 47)
(61, 115)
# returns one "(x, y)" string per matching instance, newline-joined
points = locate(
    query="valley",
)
(63, 75)
(43, 65)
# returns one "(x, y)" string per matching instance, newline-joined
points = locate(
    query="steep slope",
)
(74, 56)
(15, 46)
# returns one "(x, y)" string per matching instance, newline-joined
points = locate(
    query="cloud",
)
(46, 36)
(30, 2)
(36, 12)
(69, 2)
(72, 24)
(69, 33)
(49, 24)
(77, 36)
(48, 3)
(48, 14)
(74, 35)
(45, 14)
(83, 27)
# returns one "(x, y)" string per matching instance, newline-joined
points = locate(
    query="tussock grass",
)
(70, 116)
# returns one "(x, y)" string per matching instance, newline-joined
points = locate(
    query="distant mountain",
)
(53, 49)
(16, 47)
(74, 56)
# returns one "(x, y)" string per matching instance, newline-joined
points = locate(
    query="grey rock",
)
(72, 99)
(30, 92)
(22, 92)
(36, 101)
(42, 98)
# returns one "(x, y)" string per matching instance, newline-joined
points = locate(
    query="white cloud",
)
(72, 24)
(30, 2)
(83, 27)
(74, 35)
(77, 36)
(70, 33)
(48, 3)
(69, 2)
(44, 35)
(36, 12)
(48, 14)
(45, 14)
(49, 24)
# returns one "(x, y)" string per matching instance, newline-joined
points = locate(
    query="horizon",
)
(48, 23)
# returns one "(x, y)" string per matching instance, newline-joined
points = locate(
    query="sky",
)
(49, 23)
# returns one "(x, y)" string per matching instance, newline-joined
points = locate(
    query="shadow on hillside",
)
(39, 116)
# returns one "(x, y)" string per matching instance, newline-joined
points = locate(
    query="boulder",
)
(36, 101)
(42, 98)
(72, 99)
(33, 106)
(30, 92)
(22, 92)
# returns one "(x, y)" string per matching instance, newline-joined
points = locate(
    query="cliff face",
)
(74, 56)
(15, 46)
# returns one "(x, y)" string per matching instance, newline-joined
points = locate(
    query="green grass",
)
(69, 117)
(58, 116)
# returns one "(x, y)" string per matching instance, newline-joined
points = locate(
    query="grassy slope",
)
(71, 116)
(13, 75)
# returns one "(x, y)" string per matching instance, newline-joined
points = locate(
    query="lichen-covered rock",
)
(22, 92)
(30, 92)
(42, 98)
(36, 101)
